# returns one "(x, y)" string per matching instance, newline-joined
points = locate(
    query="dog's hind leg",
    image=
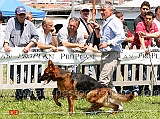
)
(71, 104)
(114, 107)
(94, 107)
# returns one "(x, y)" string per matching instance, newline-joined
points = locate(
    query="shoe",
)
(41, 97)
(111, 110)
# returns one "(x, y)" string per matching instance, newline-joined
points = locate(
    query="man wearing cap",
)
(20, 33)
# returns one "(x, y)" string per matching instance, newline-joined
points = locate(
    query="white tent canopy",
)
(132, 9)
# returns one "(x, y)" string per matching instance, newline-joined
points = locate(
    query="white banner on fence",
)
(139, 57)
(65, 57)
(68, 57)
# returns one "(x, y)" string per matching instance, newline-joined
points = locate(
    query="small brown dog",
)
(77, 85)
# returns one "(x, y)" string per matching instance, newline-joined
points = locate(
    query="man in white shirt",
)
(47, 36)
(47, 40)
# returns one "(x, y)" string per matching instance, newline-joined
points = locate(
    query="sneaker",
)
(112, 111)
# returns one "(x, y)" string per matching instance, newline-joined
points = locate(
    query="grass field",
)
(146, 107)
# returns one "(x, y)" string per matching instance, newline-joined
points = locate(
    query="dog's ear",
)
(50, 64)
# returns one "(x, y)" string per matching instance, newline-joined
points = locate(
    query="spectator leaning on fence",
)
(112, 35)
(20, 33)
(47, 40)
(70, 37)
(145, 7)
(146, 26)
(47, 36)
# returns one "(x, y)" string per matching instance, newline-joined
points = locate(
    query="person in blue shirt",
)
(111, 38)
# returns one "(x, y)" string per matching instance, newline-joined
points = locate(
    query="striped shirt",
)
(13, 33)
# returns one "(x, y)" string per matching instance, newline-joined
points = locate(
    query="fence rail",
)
(121, 79)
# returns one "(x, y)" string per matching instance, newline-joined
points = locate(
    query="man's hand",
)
(26, 49)
(103, 45)
(147, 51)
(55, 49)
(83, 47)
(6, 47)
(94, 25)
(53, 31)
(141, 34)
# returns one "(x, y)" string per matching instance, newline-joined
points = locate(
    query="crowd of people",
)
(84, 33)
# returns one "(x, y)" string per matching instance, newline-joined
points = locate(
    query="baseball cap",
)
(20, 9)
(85, 7)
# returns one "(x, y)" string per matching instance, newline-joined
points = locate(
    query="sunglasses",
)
(22, 14)
(85, 10)
(145, 8)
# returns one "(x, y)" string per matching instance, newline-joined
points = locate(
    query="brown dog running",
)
(77, 85)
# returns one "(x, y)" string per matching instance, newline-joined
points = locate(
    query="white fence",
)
(67, 57)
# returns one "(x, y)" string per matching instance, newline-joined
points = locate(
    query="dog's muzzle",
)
(45, 79)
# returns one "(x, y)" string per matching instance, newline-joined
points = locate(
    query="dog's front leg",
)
(71, 104)
(56, 95)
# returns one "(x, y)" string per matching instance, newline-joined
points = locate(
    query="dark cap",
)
(20, 9)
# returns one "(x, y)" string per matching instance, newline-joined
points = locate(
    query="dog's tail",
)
(121, 98)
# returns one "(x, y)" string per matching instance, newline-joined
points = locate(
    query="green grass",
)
(146, 107)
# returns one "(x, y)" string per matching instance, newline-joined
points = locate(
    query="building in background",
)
(115, 2)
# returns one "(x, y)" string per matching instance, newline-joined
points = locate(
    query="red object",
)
(13, 112)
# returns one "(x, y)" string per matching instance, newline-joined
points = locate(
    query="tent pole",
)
(93, 9)
(72, 9)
